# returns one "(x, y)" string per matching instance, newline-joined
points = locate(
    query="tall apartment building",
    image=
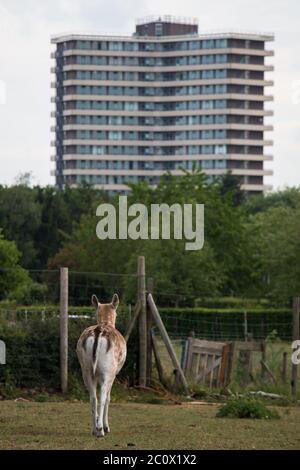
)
(164, 99)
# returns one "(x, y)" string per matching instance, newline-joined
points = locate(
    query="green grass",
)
(246, 408)
(66, 425)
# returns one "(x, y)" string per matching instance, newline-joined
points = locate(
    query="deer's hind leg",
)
(105, 417)
(91, 385)
(105, 387)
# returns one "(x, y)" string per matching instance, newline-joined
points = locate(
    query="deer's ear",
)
(115, 301)
(95, 301)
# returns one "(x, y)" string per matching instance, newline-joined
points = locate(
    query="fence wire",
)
(214, 323)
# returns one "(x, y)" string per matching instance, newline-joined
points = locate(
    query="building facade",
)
(165, 99)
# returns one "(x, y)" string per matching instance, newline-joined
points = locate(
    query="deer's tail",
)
(94, 352)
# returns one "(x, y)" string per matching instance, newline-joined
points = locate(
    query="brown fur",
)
(106, 318)
(106, 315)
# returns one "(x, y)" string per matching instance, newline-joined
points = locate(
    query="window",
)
(220, 134)
(158, 29)
(207, 59)
(207, 74)
(221, 74)
(221, 43)
(221, 88)
(193, 135)
(192, 105)
(220, 149)
(115, 105)
(193, 149)
(220, 119)
(114, 120)
(221, 58)
(193, 60)
(221, 164)
(207, 164)
(207, 89)
(194, 45)
(115, 46)
(208, 44)
(207, 149)
(207, 134)
(209, 119)
(115, 135)
(207, 104)
(220, 104)
(98, 150)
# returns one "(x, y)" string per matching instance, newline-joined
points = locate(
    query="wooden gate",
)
(206, 362)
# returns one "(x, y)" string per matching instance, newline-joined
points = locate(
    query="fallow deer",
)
(101, 351)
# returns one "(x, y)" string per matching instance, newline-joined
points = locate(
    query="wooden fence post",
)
(167, 342)
(230, 363)
(132, 321)
(159, 366)
(296, 307)
(142, 322)
(64, 284)
(263, 358)
(284, 366)
(149, 341)
(245, 325)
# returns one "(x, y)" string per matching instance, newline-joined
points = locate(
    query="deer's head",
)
(106, 313)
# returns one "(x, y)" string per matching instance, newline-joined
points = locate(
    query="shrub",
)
(29, 293)
(33, 355)
(248, 408)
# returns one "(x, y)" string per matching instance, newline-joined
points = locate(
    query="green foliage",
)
(273, 337)
(40, 219)
(221, 266)
(12, 275)
(42, 397)
(20, 217)
(33, 355)
(246, 408)
(29, 293)
(278, 249)
(251, 249)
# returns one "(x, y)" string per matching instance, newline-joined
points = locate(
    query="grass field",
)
(66, 425)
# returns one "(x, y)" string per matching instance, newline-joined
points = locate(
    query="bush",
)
(33, 354)
(248, 408)
(29, 293)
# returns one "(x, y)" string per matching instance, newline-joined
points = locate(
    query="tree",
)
(221, 266)
(12, 275)
(230, 185)
(20, 217)
(278, 251)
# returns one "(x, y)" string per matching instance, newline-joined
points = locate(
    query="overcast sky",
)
(25, 30)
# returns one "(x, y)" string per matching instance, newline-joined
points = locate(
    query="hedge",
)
(32, 353)
(33, 345)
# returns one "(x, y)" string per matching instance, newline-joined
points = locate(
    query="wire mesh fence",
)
(205, 317)
(230, 318)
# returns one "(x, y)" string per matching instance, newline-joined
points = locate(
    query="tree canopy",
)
(251, 248)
